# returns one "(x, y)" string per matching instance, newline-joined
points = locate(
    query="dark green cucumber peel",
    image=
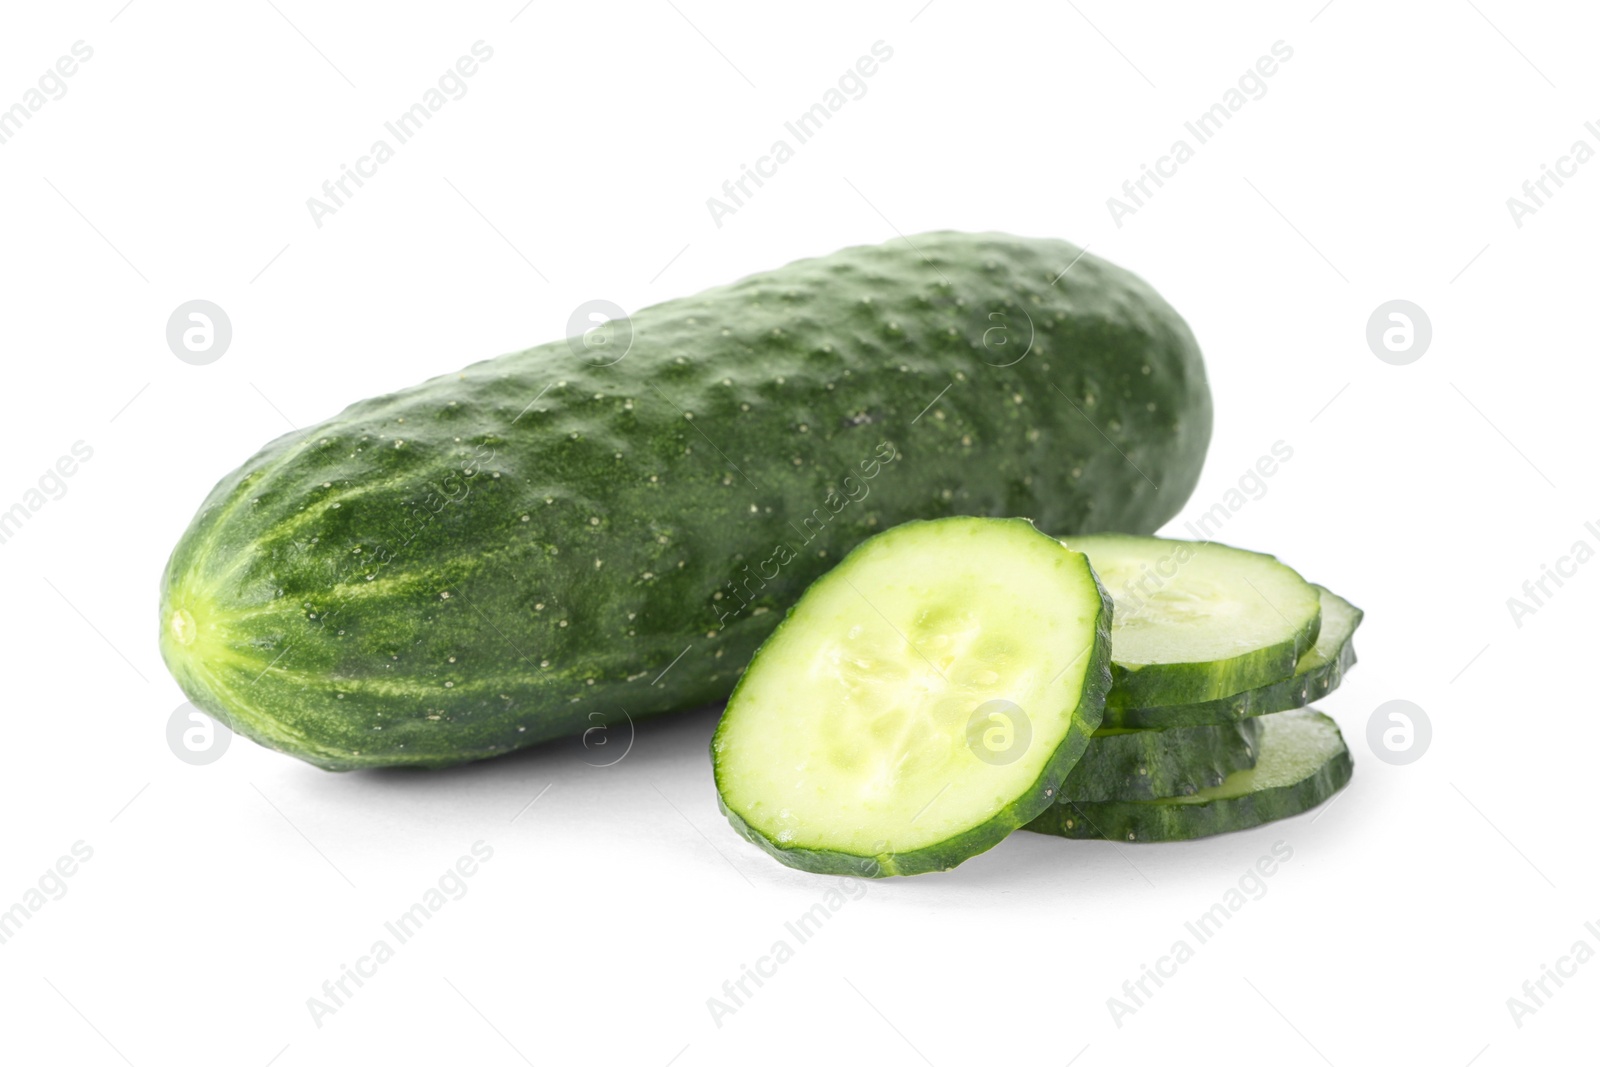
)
(496, 557)
(1301, 762)
(1028, 801)
(1143, 764)
(1318, 673)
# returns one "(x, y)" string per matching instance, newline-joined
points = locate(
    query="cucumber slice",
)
(1145, 764)
(1302, 762)
(1318, 673)
(922, 700)
(1197, 621)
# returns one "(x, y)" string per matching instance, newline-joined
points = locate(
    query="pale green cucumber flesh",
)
(1196, 621)
(922, 700)
(1142, 764)
(1317, 674)
(1301, 762)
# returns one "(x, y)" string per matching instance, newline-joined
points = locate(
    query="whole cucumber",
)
(584, 533)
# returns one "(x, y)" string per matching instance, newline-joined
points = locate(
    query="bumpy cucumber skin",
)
(1146, 764)
(1156, 821)
(516, 552)
(944, 855)
(1297, 691)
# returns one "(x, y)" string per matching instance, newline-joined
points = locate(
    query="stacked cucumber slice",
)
(954, 680)
(1301, 762)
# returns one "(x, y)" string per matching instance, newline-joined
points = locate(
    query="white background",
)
(1376, 166)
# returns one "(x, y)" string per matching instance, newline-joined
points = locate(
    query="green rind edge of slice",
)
(1154, 684)
(1184, 819)
(1318, 673)
(1149, 764)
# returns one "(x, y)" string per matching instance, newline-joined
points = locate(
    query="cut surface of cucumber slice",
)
(1302, 761)
(1318, 673)
(922, 700)
(1196, 621)
(1145, 764)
